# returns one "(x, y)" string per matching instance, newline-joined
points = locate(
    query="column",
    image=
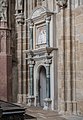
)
(20, 22)
(76, 3)
(81, 2)
(31, 80)
(31, 35)
(5, 55)
(47, 31)
(33, 4)
(25, 81)
(74, 61)
(38, 2)
(31, 66)
(47, 100)
(16, 7)
(69, 62)
(30, 6)
(31, 83)
(48, 80)
(61, 106)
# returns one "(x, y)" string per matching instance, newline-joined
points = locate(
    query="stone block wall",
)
(69, 30)
(69, 37)
(5, 77)
(79, 57)
(5, 63)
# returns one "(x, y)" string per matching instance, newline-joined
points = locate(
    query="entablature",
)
(40, 51)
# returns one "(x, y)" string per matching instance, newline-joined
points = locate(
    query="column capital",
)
(30, 21)
(48, 19)
(31, 63)
(48, 61)
(62, 3)
(31, 25)
(20, 18)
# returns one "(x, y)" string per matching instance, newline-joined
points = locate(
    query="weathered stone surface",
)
(66, 34)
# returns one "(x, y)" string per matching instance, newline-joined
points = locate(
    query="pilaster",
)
(31, 35)
(68, 101)
(61, 106)
(47, 100)
(5, 58)
(20, 22)
(31, 97)
(47, 31)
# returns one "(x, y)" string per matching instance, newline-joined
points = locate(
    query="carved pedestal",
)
(47, 103)
(31, 100)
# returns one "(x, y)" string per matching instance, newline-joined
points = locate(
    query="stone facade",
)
(41, 53)
(8, 63)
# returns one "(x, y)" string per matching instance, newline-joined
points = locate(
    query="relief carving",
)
(2, 44)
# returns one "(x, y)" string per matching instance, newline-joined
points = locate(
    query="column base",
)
(62, 107)
(24, 98)
(47, 103)
(69, 108)
(74, 107)
(19, 98)
(30, 100)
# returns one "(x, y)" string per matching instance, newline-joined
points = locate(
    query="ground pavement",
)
(37, 113)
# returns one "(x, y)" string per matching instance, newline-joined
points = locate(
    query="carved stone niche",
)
(39, 19)
(62, 3)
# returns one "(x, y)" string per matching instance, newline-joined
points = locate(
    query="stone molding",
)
(40, 50)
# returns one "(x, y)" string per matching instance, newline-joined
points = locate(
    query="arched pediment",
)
(38, 11)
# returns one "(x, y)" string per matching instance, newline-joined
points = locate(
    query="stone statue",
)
(3, 9)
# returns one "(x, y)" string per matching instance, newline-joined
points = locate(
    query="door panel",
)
(42, 85)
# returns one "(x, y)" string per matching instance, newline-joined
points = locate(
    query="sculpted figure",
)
(3, 9)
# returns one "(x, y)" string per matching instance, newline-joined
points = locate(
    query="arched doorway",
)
(42, 85)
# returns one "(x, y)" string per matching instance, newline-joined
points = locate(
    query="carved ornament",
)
(62, 3)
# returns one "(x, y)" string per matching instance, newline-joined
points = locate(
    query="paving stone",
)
(41, 114)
